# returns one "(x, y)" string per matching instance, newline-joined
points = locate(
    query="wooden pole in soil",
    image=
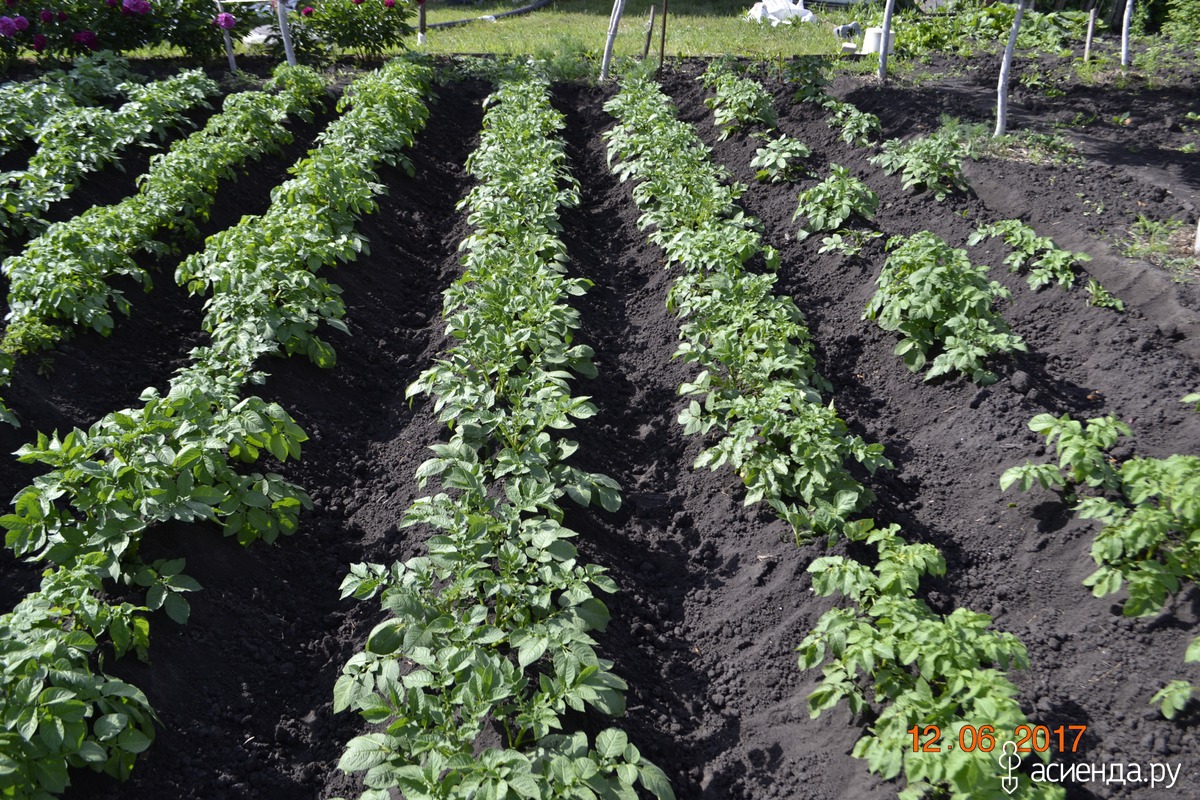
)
(1125, 24)
(1196, 246)
(1005, 69)
(1087, 45)
(649, 33)
(884, 39)
(285, 33)
(613, 21)
(420, 21)
(662, 41)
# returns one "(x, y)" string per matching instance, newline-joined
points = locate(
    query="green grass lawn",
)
(578, 27)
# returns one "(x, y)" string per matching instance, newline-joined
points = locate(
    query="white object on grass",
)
(779, 12)
(872, 37)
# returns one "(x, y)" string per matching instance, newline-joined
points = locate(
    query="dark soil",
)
(714, 595)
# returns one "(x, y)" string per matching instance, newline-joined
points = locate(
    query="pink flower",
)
(136, 6)
(62, 16)
(389, 3)
(225, 20)
(8, 28)
(46, 16)
(85, 38)
(39, 43)
(357, 2)
(21, 23)
(307, 11)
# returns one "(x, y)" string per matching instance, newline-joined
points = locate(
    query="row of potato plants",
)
(27, 105)
(490, 634)
(930, 292)
(81, 139)
(176, 457)
(62, 278)
(1149, 514)
(892, 659)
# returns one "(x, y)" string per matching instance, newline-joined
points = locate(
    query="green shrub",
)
(1183, 20)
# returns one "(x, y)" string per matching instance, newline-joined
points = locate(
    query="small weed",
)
(1102, 298)
(1166, 244)
(1041, 84)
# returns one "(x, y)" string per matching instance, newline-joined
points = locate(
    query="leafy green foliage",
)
(174, 458)
(80, 139)
(369, 27)
(1081, 450)
(924, 668)
(1102, 298)
(1149, 509)
(776, 161)
(969, 27)
(57, 710)
(859, 128)
(832, 202)
(810, 74)
(497, 619)
(940, 303)
(1183, 21)
(848, 242)
(1044, 261)
(758, 387)
(737, 102)
(930, 162)
(1150, 542)
(759, 393)
(62, 276)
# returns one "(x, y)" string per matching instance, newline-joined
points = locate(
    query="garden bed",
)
(714, 595)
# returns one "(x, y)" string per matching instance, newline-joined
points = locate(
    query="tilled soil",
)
(714, 595)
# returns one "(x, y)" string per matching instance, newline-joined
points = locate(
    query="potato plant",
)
(1044, 261)
(834, 201)
(921, 667)
(859, 128)
(941, 305)
(932, 163)
(737, 103)
(760, 392)
(1149, 511)
(776, 161)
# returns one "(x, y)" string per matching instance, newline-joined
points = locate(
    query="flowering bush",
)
(365, 26)
(66, 28)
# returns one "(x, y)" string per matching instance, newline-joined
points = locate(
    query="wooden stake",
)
(884, 39)
(1196, 246)
(1087, 45)
(285, 33)
(1005, 68)
(662, 40)
(1125, 34)
(613, 21)
(420, 21)
(649, 33)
